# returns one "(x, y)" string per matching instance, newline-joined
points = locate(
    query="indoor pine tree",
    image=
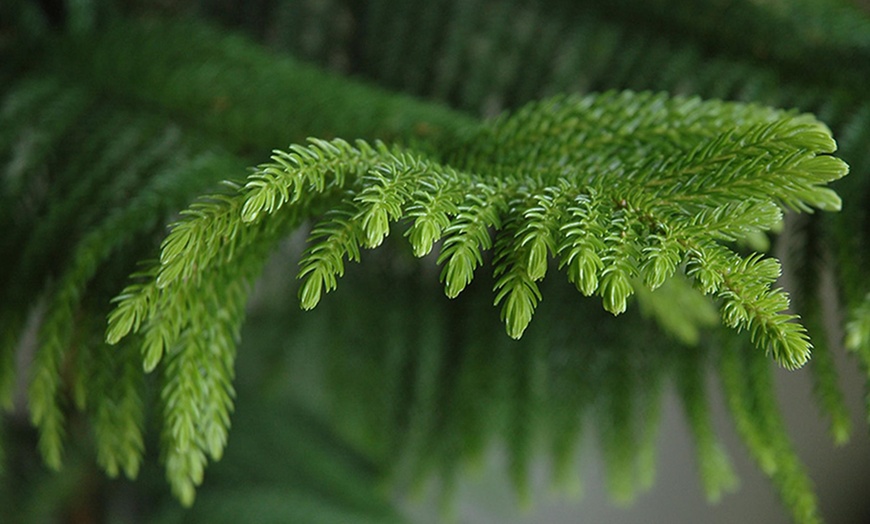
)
(608, 175)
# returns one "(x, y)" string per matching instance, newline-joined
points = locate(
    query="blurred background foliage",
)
(389, 391)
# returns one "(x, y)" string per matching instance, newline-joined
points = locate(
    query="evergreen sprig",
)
(624, 189)
(110, 125)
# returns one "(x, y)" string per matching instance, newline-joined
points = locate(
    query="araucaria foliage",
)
(628, 192)
(622, 189)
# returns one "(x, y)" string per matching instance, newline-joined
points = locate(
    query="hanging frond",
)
(110, 125)
(623, 187)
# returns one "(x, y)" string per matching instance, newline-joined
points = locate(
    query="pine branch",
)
(665, 189)
(628, 192)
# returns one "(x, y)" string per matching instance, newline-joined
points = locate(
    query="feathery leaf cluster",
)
(809, 54)
(632, 194)
(622, 188)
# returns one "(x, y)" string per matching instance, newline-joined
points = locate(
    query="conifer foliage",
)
(632, 193)
(622, 188)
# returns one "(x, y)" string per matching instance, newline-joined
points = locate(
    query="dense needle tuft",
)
(632, 197)
(623, 189)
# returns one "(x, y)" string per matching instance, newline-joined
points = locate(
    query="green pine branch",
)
(630, 194)
(624, 188)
